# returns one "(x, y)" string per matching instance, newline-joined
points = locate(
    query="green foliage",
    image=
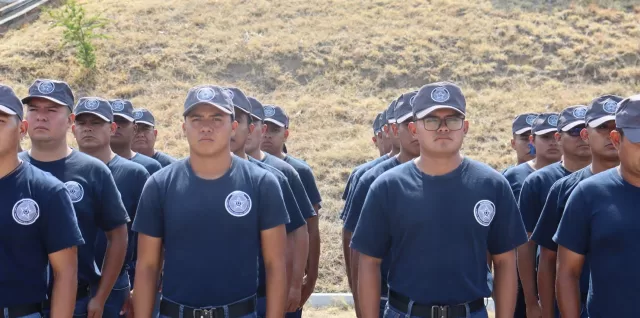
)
(79, 30)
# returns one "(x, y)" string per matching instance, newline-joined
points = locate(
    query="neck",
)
(49, 151)
(123, 151)
(241, 153)
(147, 152)
(540, 162)
(601, 164)
(394, 151)
(8, 164)
(103, 154)
(211, 167)
(256, 154)
(281, 155)
(629, 176)
(574, 164)
(403, 156)
(437, 166)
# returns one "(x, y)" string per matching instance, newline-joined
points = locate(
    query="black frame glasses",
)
(432, 123)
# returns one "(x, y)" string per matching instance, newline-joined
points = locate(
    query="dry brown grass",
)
(334, 64)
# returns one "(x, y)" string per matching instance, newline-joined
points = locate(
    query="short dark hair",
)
(249, 117)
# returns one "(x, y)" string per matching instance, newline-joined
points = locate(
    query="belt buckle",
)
(439, 311)
(203, 313)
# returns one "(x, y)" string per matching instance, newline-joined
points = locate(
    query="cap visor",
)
(597, 122)
(129, 118)
(93, 113)
(256, 117)
(633, 134)
(431, 109)
(145, 123)
(7, 110)
(522, 130)
(392, 121)
(242, 109)
(224, 109)
(573, 124)
(546, 131)
(28, 98)
(279, 123)
(404, 118)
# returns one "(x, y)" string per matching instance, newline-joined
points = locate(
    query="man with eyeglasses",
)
(144, 141)
(601, 224)
(437, 216)
(600, 121)
(565, 129)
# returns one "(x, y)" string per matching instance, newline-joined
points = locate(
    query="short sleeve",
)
(306, 208)
(271, 209)
(372, 235)
(346, 188)
(506, 230)
(574, 231)
(141, 180)
(153, 166)
(149, 218)
(310, 186)
(356, 204)
(548, 223)
(529, 203)
(295, 216)
(112, 211)
(60, 226)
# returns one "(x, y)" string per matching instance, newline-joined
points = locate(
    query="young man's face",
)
(145, 138)
(125, 132)
(628, 152)
(274, 139)
(441, 132)
(520, 143)
(380, 143)
(547, 147)
(599, 139)
(239, 139)
(92, 132)
(11, 130)
(48, 121)
(255, 137)
(572, 144)
(208, 130)
(408, 142)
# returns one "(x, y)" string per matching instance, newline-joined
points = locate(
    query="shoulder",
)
(277, 173)
(281, 165)
(148, 161)
(484, 172)
(131, 167)
(43, 181)
(170, 172)
(601, 182)
(83, 161)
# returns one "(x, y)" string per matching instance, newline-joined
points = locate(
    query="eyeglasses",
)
(434, 123)
(575, 131)
(606, 127)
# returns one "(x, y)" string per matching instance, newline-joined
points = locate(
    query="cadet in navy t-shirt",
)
(145, 139)
(600, 225)
(90, 186)
(122, 139)
(213, 213)
(437, 223)
(38, 226)
(92, 130)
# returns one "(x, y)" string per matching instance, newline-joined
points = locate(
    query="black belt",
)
(23, 310)
(401, 303)
(82, 292)
(236, 310)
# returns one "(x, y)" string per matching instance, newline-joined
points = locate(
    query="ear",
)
(385, 128)
(234, 125)
(616, 139)
(72, 118)
(73, 129)
(155, 133)
(286, 134)
(394, 128)
(113, 128)
(264, 128)
(531, 139)
(252, 127)
(465, 127)
(584, 134)
(374, 139)
(413, 129)
(24, 126)
(184, 129)
(135, 127)
(513, 144)
(558, 136)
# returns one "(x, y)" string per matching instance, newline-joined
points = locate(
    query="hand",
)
(95, 308)
(127, 307)
(293, 300)
(534, 310)
(307, 290)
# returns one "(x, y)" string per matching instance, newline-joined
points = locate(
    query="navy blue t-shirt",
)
(130, 178)
(210, 229)
(96, 201)
(535, 190)
(151, 165)
(516, 176)
(308, 180)
(298, 188)
(552, 213)
(355, 175)
(37, 220)
(438, 230)
(601, 221)
(163, 158)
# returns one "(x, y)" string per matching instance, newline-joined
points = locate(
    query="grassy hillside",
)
(334, 63)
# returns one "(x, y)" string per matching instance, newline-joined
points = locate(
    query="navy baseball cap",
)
(441, 95)
(376, 124)
(628, 118)
(257, 110)
(383, 119)
(10, 104)
(122, 108)
(545, 123)
(210, 95)
(275, 114)
(238, 99)
(602, 109)
(403, 110)
(96, 106)
(571, 117)
(390, 112)
(58, 92)
(144, 116)
(522, 123)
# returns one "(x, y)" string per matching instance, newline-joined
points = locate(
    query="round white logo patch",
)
(75, 191)
(117, 105)
(484, 211)
(269, 111)
(91, 104)
(238, 203)
(46, 87)
(412, 100)
(530, 119)
(26, 212)
(138, 113)
(229, 93)
(440, 95)
(553, 120)
(580, 112)
(610, 106)
(206, 93)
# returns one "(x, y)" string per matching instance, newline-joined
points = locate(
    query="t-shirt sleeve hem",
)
(366, 250)
(507, 248)
(59, 247)
(569, 246)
